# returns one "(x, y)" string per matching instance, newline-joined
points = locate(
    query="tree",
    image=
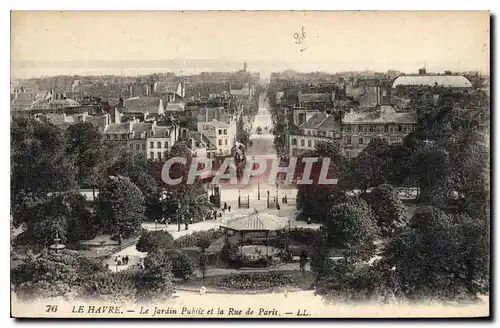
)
(151, 241)
(370, 166)
(120, 206)
(39, 165)
(84, 143)
(63, 213)
(155, 281)
(440, 255)
(388, 210)
(192, 198)
(181, 265)
(203, 262)
(350, 225)
(152, 195)
(312, 199)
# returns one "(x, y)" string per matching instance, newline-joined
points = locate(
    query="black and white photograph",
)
(250, 164)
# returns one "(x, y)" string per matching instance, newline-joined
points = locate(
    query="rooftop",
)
(165, 87)
(65, 102)
(218, 124)
(118, 128)
(385, 114)
(315, 121)
(141, 105)
(256, 222)
(449, 81)
(314, 97)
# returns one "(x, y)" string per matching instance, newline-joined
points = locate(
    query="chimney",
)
(120, 102)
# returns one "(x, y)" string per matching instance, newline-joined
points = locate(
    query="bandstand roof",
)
(256, 222)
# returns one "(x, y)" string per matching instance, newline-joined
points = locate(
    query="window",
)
(302, 142)
(165, 154)
(348, 128)
(220, 131)
(308, 132)
(360, 128)
(360, 141)
(166, 144)
(220, 142)
(225, 142)
(294, 142)
(143, 146)
(400, 128)
(386, 128)
(152, 155)
(151, 145)
(137, 147)
(309, 143)
(348, 154)
(159, 155)
(131, 146)
(209, 154)
(108, 136)
(225, 131)
(158, 144)
(372, 128)
(349, 141)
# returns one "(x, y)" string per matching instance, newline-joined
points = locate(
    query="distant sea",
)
(27, 69)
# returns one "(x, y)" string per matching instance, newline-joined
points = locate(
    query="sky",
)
(51, 43)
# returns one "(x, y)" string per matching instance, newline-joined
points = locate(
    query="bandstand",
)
(254, 229)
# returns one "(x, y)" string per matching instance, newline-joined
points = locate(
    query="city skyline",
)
(192, 42)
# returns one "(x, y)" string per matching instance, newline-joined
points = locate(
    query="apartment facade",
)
(359, 128)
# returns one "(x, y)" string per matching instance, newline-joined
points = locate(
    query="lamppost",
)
(258, 179)
(156, 224)
(178, 217)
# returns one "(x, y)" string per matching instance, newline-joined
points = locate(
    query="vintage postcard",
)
(250, 164)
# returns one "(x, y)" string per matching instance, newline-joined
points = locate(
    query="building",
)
(160, 140)
(141, 108)
(28, 100)
(148, 138)
(359, 128)
(408, 85)
(217, 133)
(320, 127)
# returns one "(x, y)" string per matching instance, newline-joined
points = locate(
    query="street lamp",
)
(178, 217)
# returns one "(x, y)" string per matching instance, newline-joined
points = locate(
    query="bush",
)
(255, 280)
(155, 281)
(182, 267)
(201, 239)
(354, 283)
(231, 255)
(305, 236)
(113, 287)
(153, 240)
